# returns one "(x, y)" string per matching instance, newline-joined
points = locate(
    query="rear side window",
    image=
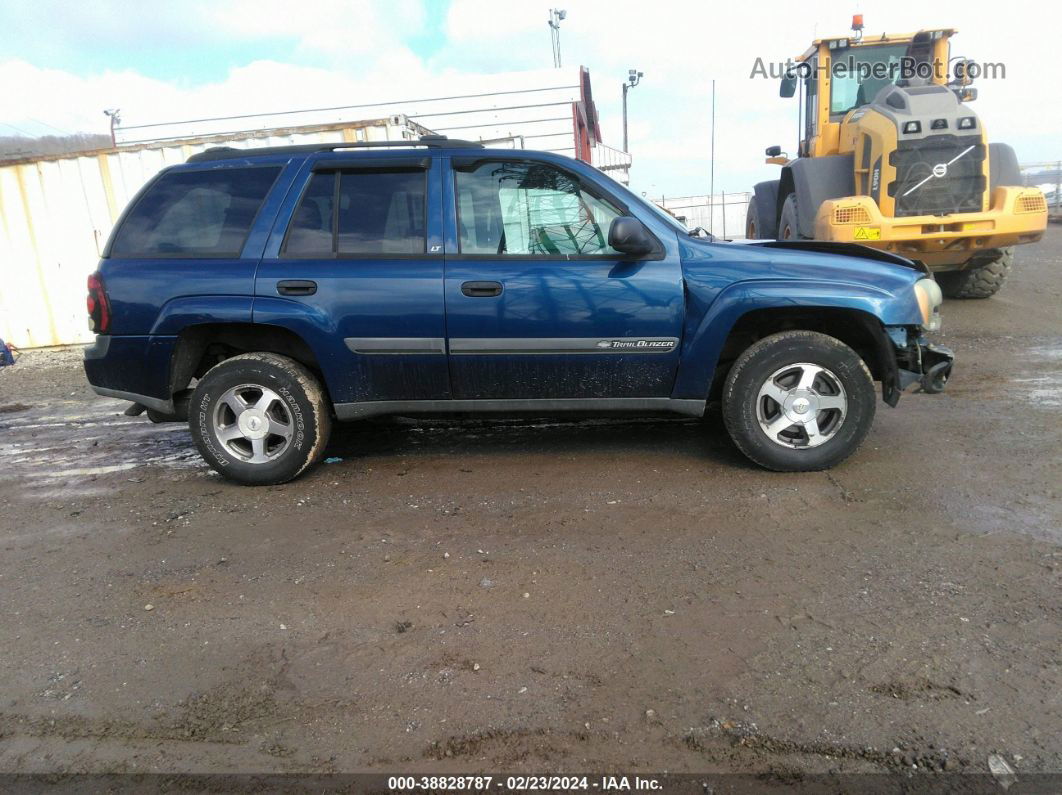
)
(360, 213)
(193, 214)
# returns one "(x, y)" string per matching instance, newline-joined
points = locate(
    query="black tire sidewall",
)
(977, 281)
(280, 374)
(789, 218)
(772, 353)
(752, 219)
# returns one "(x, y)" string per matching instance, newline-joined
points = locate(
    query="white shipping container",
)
(57, 213)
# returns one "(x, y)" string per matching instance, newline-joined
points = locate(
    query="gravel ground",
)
(546, 596)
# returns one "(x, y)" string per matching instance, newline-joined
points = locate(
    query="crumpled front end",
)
(919, 361)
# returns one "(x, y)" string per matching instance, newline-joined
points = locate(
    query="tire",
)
(288, 434)
(787, 223)
(981, 279)
(753, 228)
(842, 401)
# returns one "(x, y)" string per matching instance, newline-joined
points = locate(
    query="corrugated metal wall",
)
(56, 216)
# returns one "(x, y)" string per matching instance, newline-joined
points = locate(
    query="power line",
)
(46, 124)
(16, 129)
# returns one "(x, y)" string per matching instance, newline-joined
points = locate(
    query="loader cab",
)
(836, 76)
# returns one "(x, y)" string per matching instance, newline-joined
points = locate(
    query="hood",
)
(718, 263)
(844, 249)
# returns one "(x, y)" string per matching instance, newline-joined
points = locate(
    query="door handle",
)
(481, 289)
(296, 287)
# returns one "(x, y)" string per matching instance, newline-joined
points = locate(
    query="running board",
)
(376, 408)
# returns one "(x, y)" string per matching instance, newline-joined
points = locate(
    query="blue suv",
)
(263, 294)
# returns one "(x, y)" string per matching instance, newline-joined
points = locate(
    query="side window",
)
(360, 213)
(381, 212)
(530, 208)
(193, 214)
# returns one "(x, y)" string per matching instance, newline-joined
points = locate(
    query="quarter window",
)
(359, 213)
(194, 214)
(310, 234)
(523, 208)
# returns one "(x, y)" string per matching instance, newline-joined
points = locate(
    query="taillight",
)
(99, 308)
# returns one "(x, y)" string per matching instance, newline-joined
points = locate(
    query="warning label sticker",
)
(867, 233)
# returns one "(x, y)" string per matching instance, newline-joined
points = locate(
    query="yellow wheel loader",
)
(892, 156)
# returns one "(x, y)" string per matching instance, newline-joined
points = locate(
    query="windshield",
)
(631, 197)
(857, 76)
(664, 214)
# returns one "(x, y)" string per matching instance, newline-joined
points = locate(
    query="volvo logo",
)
(938, 171)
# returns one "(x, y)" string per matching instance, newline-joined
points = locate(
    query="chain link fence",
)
(723, 214)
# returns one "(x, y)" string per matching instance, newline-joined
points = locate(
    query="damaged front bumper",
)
(918, 361)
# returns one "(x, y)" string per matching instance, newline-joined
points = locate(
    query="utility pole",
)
(711, 171)
(633, 78)
(556, 15)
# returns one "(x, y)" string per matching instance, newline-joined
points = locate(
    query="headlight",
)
(927, 291)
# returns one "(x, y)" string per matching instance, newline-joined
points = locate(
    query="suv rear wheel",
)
(259, 418)
(798, 401)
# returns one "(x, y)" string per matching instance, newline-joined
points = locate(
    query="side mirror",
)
(963, 71)
(773, 151)
(629, 236)
(788, 86)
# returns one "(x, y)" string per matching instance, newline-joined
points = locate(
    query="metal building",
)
(549, 109)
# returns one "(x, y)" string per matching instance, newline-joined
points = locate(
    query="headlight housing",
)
(927, 291)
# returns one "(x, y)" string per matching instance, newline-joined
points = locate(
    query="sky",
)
(62, 63)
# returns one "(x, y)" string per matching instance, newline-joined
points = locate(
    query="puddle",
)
(49, 446)
(1043, 390)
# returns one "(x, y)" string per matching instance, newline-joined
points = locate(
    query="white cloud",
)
(346, 52)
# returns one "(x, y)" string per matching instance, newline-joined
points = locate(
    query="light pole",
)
(556, 15)
(116, 118)
(633, 78)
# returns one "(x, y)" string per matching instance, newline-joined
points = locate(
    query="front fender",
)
(705, 337)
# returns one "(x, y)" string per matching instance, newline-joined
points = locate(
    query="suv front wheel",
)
(259, 418)
(798, 401)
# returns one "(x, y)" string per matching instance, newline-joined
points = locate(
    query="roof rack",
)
(430, 141)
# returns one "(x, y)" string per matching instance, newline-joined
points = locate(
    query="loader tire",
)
(753, 227)
(982, 279)
(787, 224)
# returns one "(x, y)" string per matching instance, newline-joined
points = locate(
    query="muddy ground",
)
(546, 596)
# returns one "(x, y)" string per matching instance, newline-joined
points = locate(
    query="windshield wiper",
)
(700, 231)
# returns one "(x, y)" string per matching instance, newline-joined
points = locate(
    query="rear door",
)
(354, 266)
(538, 305)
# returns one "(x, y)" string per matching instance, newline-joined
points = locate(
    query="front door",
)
(538, 306)
(355, 268)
